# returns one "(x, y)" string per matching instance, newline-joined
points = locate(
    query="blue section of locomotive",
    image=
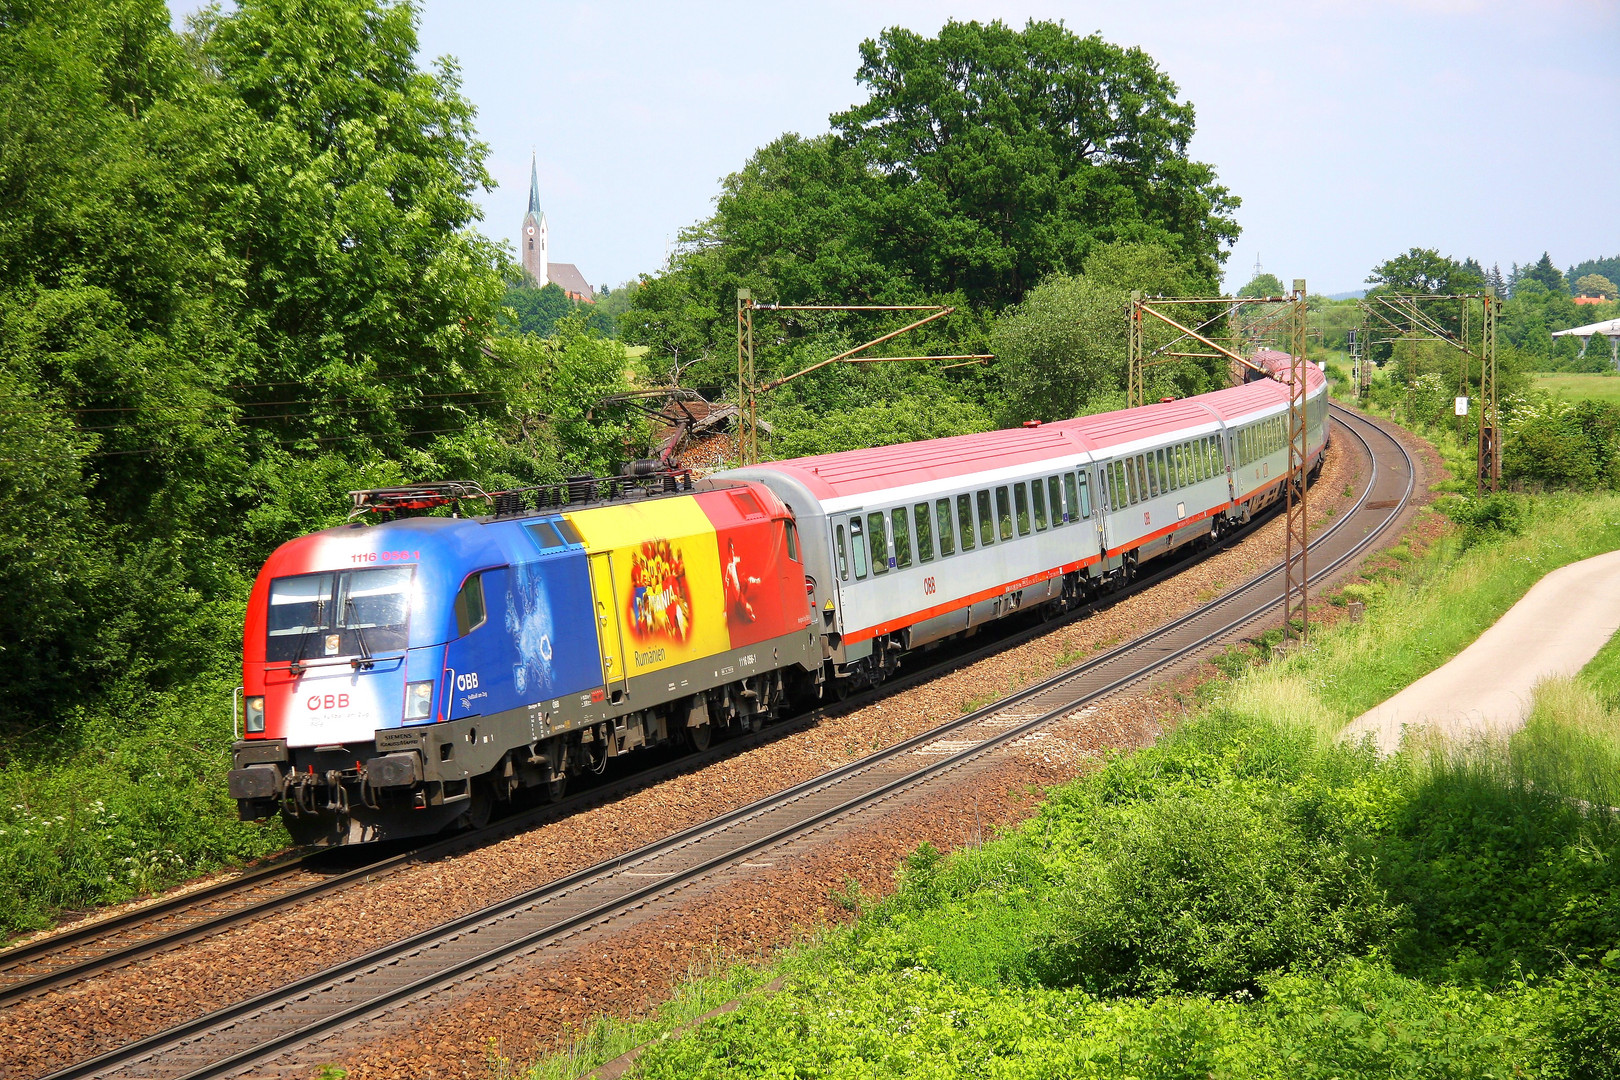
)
(537, 641)
(498, 622)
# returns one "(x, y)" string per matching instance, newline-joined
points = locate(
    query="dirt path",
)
(1557, 627)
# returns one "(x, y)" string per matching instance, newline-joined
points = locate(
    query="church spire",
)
(534, 188)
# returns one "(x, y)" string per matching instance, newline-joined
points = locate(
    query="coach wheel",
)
(699, 738)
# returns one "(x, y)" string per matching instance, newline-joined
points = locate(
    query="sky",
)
(1351, 129)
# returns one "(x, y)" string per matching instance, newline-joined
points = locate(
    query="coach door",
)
(609, 634)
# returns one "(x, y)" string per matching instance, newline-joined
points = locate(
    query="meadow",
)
(1573, 387)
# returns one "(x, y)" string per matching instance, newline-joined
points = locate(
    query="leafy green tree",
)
(1596, 285)
(1263, 285)
(1424, 270)
(1006, 155)
(1066, 344)
(538, 310)
(1609, 268)
(983, 160)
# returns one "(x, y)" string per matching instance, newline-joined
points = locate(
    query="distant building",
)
(535, 242)
(1591, 299)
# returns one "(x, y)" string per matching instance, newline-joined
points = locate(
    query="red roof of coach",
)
(855, 472)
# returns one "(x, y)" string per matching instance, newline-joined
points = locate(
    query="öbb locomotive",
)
(406, 677)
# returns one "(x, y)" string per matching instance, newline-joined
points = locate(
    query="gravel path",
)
(79, 1021)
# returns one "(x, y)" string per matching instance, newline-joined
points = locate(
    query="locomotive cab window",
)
(902, 537)
(346, 613)
(942, 518)
(964, 518)
(925, 532)
(878, 541)
(469, 605)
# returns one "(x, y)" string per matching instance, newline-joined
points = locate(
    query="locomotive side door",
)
(609, 635)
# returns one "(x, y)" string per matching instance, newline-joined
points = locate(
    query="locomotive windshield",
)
(341, 613)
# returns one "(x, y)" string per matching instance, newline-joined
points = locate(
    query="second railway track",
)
(234, 1038)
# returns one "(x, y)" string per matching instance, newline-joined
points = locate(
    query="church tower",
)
(533, 240)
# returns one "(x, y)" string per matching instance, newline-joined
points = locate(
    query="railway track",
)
(253, 1031)
(74, 955)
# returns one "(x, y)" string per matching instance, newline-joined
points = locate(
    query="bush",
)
(1497, 515)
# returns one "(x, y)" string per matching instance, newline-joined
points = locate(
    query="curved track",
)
(240, 1035)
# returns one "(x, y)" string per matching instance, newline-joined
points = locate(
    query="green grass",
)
(106, 810)
(1251, 897)
(1600, 387)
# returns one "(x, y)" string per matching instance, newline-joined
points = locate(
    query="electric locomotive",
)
(404, 677)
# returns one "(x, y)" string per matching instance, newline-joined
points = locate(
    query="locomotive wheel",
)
(481, 804)
(699, 738)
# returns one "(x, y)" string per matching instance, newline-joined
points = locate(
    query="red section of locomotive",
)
(761, 580)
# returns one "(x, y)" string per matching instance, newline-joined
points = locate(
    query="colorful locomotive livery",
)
(405, 677)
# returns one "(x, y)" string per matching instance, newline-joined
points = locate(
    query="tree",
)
(1596, 285)
(538, 310)
(1007, 155)
(1609, 268)
(1547, 274)
(1424, 270)
(1263, 285)
(984, 160)
(1065, 344)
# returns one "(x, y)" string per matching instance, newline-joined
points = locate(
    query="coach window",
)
(964, 518)
(843, 559)
(1004, 513)
(987, 522)
(1021, 506)
(1129, 488)
(1054, 498)
(469, 605)
(1085, 494)
(902, 537)
(1146, 483)
(1184, 474)
(925, 533)
(1167, 479)
(857, 543)
(942, 518)
(1037, 495)
(877, 540)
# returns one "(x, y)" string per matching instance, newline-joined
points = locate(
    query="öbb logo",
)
(327, 701)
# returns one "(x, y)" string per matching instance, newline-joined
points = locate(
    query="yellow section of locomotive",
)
(655, 580)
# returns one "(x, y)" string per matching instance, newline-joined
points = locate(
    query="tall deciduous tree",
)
(1596, 285)
(984, 159)
(1007, 155)
(1424, 270)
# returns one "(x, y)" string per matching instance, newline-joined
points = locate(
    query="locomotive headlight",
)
(419, 700)
(255, 715)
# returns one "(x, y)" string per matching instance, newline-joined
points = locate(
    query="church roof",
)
(534, 188)
(568, 278)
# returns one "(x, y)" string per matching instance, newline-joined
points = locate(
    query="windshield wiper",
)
(297, 664)
(359, 633)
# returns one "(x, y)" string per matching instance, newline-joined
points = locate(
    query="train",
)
(408, 677)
